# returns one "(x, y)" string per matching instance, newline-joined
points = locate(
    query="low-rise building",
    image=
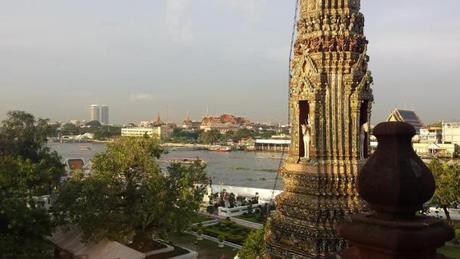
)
(430, 135)
(436, 150)
(451, 133)
(161, 132)
(272, 145)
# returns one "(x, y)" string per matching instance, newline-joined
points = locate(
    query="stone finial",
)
(395, 180)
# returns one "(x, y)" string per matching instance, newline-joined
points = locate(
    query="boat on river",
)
(220, 148)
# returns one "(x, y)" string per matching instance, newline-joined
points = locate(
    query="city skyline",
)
(231, 56)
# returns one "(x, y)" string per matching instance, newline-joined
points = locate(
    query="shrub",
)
(237, 239)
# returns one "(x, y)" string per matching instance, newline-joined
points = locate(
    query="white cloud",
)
(140, 97)
(179, 21)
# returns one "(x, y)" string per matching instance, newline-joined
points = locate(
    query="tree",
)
(28, 170)
(107, 132)
(23, 137)
(447, 193)
(70, 129)
(267, 134)
(127, 197)
(242, 134)
(254, 245)
(181, 136)
(210, 137)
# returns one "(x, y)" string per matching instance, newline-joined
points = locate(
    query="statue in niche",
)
(351, 26)
(326, 24)
(306, 133)
(363, 140)
(311, 5)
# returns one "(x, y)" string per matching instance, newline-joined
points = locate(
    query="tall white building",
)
(95, 112)
(100, 113)
(104, 119)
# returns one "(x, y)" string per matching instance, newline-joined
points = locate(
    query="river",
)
(246, 169)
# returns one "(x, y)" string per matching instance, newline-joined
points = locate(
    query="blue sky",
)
(142, 57)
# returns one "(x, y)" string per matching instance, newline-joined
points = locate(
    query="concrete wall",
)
(451, 133)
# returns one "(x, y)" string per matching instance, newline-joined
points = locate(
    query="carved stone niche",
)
(309, 5)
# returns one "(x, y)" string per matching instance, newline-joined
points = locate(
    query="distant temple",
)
(223, 123)
(406, 116)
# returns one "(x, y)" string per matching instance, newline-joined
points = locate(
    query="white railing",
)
(236, 211)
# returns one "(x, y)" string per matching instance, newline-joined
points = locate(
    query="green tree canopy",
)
(254, 246)
(128, 197)
(107, 132)
(28, 170)
(447, 178)
(70, 129)
(184, 136)
(242, 134)
(210, 137)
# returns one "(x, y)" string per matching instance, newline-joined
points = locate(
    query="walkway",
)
(238, 221)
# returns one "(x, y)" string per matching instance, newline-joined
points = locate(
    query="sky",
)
(144, 57)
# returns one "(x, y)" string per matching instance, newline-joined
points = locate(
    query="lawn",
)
(230, 230)
(253, 217)
(206, 249)
(452, 252)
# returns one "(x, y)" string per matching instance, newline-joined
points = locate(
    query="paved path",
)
(238, 221)
(213, 239)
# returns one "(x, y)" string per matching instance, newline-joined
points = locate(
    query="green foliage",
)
(210, 137)
(101, 132)
(107, 132)
(447, 185)
(228, 230)
(254, 245)
(27, 170)
(182, 136)
(457, 231)
(253, 217)
(242, 134)
(70, 129)
(127, 196)
(450, 251)
(54, 129)
(267, 134)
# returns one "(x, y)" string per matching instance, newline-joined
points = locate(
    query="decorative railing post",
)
(395, 183)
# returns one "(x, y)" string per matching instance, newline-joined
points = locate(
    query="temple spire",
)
(330, 106)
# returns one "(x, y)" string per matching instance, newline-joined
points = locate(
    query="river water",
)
(246, 169)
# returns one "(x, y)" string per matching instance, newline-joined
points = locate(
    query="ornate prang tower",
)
(330, 106)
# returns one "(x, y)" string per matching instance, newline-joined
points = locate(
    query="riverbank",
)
(237, 168)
